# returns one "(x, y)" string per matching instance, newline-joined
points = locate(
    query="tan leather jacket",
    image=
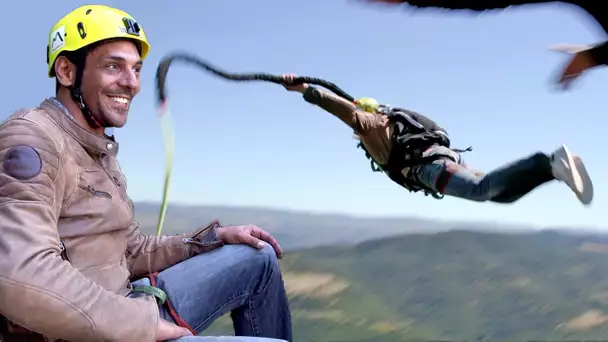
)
(68, 243)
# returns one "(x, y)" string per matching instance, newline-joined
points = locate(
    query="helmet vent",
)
(81, 30)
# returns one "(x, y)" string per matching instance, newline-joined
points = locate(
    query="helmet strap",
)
(76, 93)
(77, 97)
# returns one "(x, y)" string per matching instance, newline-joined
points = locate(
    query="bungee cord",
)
(166, 119)
(167, 131)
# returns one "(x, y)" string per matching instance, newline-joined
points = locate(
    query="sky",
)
(486, 78)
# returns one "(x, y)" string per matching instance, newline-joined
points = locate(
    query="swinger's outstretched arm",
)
(359, 120)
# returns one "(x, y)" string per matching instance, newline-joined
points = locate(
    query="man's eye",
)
(112, 67)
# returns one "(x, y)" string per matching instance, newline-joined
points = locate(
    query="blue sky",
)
(485, 78)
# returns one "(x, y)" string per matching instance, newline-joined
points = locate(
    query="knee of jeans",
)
(265, 257)
(270, 254)
(265, 264)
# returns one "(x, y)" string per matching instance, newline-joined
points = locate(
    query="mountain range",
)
(404, 279)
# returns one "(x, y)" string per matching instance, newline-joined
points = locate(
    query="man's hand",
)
(251, 235)
(288, 78)
(166, 331)
(579, 62)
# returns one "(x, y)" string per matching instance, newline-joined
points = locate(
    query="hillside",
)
(456, 285)
(298, 229)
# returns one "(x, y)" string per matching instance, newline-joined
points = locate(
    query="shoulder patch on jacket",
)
(22, 162)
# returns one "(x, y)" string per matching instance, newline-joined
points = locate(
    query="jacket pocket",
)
(90, 189)
(205, 237)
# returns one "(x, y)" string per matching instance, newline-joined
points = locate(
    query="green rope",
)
(166, 125)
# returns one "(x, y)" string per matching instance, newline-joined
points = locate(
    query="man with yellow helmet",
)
(415, 152)
(74, 264)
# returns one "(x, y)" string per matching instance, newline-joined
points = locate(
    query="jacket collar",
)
(93, 143)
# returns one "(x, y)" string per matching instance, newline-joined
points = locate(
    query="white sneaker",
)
(587, 195)
(572, 171)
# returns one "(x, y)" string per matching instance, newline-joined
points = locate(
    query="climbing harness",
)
(402, 136)
(410, 140)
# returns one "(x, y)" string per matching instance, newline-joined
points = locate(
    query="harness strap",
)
(410, 139)
(443, 179)
(178, 320)
(411, 183)
(152, 290)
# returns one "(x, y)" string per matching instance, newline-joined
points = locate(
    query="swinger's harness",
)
(410, 139)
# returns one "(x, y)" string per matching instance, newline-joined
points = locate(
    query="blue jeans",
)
(225, 339)
(506, 184)
(234, 278)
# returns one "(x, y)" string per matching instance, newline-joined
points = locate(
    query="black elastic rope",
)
(163, 69)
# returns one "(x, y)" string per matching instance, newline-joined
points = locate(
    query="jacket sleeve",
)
(38, 289)
(147, 254)
(360, 121)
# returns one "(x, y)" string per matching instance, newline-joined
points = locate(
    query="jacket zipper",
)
(198, 242)
(97, 192)
(117, 184)
(63, 251)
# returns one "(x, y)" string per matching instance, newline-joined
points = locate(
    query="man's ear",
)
(65, 71)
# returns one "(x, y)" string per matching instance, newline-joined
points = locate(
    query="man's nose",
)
(129, 79)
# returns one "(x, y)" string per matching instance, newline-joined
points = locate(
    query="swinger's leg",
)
(510, 182)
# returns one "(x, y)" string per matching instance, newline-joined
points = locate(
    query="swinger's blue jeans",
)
(506, 184)
(234, 278)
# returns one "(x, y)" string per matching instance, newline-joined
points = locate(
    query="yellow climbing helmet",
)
(89, 24)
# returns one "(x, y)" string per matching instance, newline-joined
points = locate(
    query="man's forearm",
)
(332, 103)
(147, 254)
(346, 111)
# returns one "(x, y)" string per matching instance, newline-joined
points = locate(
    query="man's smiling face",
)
(111, 80)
